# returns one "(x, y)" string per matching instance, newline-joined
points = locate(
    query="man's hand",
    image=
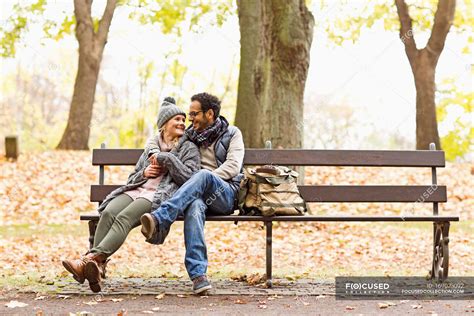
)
(152, 171)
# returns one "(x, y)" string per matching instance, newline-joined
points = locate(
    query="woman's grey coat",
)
(181, 162)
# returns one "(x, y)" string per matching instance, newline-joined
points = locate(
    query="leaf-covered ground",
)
(43, 194)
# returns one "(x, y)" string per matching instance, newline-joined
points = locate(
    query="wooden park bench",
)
(432, 193)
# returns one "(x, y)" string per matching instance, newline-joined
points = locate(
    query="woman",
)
(157, 175)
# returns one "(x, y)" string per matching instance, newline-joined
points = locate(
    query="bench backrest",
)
(307, 157)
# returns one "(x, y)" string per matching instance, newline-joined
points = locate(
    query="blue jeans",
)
(203, 192)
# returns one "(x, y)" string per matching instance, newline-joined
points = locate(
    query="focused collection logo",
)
(367, 288)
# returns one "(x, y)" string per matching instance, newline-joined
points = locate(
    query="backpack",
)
(270, 190)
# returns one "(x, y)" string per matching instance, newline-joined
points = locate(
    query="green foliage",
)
(12, 29)
(350, 23)
(176, 15)
(172, 16)
(456, 108)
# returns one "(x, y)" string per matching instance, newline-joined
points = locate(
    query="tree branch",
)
(406, 31)
(106, 20)
(442, 23)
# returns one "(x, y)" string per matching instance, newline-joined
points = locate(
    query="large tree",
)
(423, 65)
(276, 37)
(434, 18)
(91, 49)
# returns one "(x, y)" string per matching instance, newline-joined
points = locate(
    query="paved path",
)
(133, 296)
(139, 286)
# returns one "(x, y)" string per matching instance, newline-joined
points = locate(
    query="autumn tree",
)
(91, 34)
(423, 65)
(408, 18)
(91, 48)
(276, 37)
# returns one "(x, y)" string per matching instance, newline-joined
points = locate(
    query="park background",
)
(359, 94)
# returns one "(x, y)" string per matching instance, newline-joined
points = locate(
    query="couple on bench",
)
(182, 172)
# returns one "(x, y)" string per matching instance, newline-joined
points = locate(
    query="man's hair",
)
(208, 101)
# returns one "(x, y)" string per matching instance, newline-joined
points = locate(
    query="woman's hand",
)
(152, 171)
(153, 160)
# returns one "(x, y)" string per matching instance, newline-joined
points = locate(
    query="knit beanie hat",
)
(168, 109)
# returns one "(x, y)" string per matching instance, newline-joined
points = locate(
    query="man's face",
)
(198, 118)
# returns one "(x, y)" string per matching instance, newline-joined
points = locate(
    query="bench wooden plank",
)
(115, 157)
(373, 193)
(369, 158)
(302, 157)
(312, 218)
(341, 193)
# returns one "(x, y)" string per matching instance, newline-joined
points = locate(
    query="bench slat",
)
(302, 157)
(341, 193)
(311, 218)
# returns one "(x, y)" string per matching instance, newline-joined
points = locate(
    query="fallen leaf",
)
(160, 296)
(240, 302)
(14, 304)
(255, 278)
(383, 305)
(349, 308)
(123, 312)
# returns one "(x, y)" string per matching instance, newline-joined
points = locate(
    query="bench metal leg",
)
(92, 228)
(440, 266)
(269, 253)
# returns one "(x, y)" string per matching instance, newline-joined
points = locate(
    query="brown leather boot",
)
(94, 270)
(76, 267)
(103, 268)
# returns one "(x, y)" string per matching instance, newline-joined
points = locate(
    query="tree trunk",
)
(423, 65)
(91, 48)
(276, 38)
(426, 124)
(76, 135)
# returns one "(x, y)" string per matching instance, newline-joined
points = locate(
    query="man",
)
(213, 189)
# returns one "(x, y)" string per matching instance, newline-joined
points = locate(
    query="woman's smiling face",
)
(175, 126)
